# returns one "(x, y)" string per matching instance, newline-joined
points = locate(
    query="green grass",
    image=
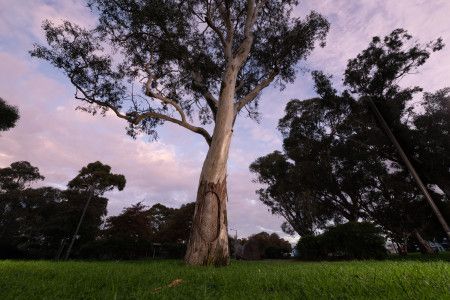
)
(241, 280)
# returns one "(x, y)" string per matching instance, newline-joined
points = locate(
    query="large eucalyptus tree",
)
(205, 59)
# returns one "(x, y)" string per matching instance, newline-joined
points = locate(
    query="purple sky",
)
(59, 140)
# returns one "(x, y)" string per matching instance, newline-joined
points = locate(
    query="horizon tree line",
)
(47, 222)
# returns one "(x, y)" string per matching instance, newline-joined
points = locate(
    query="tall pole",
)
(235, 242)
(91, 194)
(408, 164)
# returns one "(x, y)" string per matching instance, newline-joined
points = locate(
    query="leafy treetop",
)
(179, 52)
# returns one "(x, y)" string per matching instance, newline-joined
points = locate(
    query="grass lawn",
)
(170, 279)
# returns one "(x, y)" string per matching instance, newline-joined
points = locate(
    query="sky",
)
(59, 140)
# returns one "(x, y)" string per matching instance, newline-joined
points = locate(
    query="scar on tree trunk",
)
(208, 243)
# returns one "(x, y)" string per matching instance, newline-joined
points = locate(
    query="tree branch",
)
(199, 130)
(162, 98)
(210, 99)
(216, 30)
(225, 13)
(252, 15)
(254, 93)
(135, 119)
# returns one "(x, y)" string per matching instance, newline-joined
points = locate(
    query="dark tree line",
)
(260, 246)
(337, 165)
(41, 222)
(143, 232)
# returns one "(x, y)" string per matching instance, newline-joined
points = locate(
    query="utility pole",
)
(91, 194)
(408, 164)
(235, 242)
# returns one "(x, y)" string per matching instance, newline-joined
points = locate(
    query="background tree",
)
(125, 236)
(288, 195)
(205, 59)
(266, 246)
(91, 183)
(335, 150)
(18, 176)
(322, 175)
(8, 115)
(428, 143)
(15, 182)
(41, 222)
(142, 232)
(384, 63)
(178, 227)
(38, 221)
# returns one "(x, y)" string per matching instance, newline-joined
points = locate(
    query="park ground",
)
(410, 278)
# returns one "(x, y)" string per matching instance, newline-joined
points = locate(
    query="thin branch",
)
(162, 98)
(216, 30)
(226, 42)
(225, 13)
(252, 16)
(199, 130)
(254, 93)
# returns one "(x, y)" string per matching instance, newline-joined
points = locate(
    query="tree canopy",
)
(8, 115)
(176, 52)
(97, 178)
(338, 165)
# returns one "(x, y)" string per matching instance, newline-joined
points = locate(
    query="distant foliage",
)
(38, 222)
(8, 115)
(265, 246)
(141, 232)
(352, 240)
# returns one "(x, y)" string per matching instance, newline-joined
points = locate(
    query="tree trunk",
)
(402, 249)
(424, 246)
(208, 242)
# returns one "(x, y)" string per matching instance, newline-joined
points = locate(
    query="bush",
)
(352, 240)
(115, 249)
(109, 249)
(311, 248)
(266, 246)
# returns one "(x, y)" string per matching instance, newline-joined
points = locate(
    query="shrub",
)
(352, 240)
(116, 249)
(263, 245)
(108, 249)
(311, 248)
